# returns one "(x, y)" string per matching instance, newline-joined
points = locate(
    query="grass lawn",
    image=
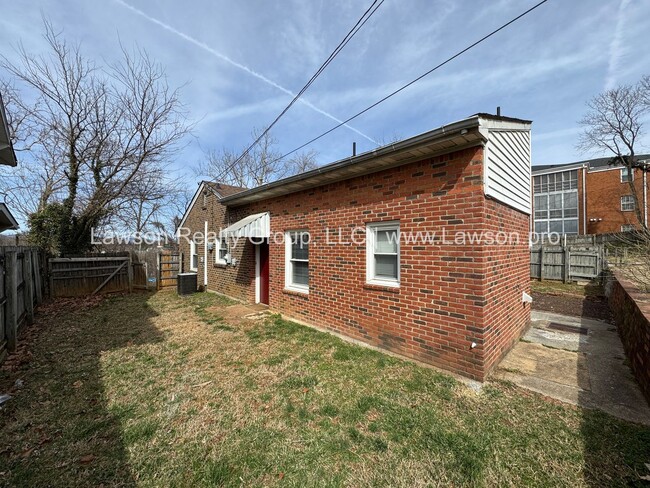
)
(591, 289)
(157, 390)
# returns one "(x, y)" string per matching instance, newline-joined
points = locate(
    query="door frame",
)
(258, 279)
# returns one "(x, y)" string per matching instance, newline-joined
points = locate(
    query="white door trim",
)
(205, 256)
(257, 274)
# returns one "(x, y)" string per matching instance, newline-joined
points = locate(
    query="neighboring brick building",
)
(587, 197)
(420, 247)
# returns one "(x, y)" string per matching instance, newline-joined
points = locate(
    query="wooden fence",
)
(77, 276)
(21, 289)
(145, 269)
(114, 272)
(169, 265)
(566, 263)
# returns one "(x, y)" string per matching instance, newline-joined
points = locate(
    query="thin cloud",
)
(230, 61)
(616, 48)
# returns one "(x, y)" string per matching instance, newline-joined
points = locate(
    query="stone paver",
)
(589, 369)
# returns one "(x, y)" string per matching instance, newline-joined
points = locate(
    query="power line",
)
(360, 23)
(448, 60)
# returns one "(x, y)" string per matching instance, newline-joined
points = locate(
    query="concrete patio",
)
(578, 361)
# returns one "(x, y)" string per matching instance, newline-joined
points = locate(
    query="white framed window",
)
(296, 266)
(627, 227)
(383, 254)
(194, 256)
(222, 250)
(556, 202)
(627, 174)
(627, 203)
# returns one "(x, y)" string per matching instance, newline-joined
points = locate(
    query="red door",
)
(264, 273)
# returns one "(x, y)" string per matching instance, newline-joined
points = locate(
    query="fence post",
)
(541, 263)
(28, 286)
(159, 268)
(11, 292)
(38, 285)
(130, 273)
(567, 265)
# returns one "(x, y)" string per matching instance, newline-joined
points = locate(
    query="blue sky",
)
(237, 60)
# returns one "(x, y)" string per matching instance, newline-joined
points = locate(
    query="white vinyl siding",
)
(297, 261)
(383, 254)
(507, 168)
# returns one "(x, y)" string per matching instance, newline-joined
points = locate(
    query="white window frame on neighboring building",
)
(627, 175)
(371, 253)
(194, 266)
(627, 227)
(221, 247)
(289, 260)
(627, 203)
(561, 186)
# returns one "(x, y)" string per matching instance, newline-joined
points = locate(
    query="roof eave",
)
(7, 220)
(336, 171)
(7, 154)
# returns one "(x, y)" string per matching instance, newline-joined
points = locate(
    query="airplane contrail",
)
(225, 58)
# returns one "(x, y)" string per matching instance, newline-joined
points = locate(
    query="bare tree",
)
(263, 164)
(303, 162)
(102, 131)
(40, 177)
(614, 124)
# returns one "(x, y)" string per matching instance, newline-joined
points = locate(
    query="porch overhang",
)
(256, 225)
(7, 221)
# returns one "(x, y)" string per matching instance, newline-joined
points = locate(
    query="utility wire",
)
(360, 23)
(448, 60)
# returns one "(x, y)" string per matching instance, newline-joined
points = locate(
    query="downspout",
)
(584, 199)
(205, 256)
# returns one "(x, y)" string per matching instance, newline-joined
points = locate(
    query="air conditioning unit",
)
(186, 283)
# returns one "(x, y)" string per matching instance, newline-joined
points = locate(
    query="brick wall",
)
(631, 308)
(507, 277)
(450, 295)
(234, 281)
(604, 192)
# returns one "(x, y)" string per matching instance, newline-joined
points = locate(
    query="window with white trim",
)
(297, 261)
(194, 256)
(627, 175)
(382, 254)
(627, 203)
(556, 202)
(222, 250)
(627, 227)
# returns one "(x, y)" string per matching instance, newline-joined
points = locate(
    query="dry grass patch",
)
(157, 390)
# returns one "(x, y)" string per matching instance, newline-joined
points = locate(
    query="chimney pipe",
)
(498, 111)
(354, 149)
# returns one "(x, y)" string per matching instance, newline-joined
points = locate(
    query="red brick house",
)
(588, 197)
(419, 247)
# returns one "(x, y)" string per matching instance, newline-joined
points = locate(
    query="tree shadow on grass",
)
(58, 429)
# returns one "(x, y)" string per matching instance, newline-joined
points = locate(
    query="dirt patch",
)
(594, 307)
